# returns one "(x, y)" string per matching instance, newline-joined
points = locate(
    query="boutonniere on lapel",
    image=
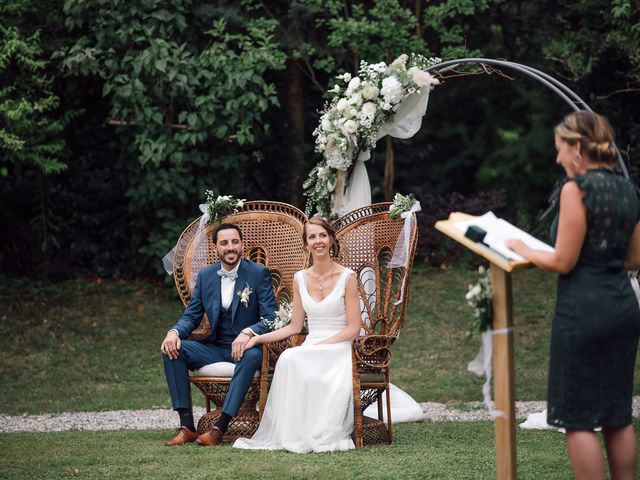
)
(244, 294)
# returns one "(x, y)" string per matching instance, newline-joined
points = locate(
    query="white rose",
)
(353, 84)
(325, 123)
(369, 109)
(353, 112)
(422, 78)
(356, 99)
(391, 90)
(342, 103)
(350, 126)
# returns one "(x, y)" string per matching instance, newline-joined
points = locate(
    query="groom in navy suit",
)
(235, 294)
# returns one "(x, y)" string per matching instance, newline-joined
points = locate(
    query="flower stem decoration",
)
(221, 206)
(401, 204)
(479, 298)
(350, 121)
(245, 294)
(281, 317)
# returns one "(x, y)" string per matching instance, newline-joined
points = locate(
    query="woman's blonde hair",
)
(593, 132)
(335, 246)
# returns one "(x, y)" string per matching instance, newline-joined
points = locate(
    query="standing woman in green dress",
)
(595, 330)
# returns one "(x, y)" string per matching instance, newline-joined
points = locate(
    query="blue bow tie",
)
(230, 275)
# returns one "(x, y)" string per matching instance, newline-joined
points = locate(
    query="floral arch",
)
(384, 100)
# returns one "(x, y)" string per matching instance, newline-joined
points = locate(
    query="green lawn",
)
(420, 451)
(94, 345)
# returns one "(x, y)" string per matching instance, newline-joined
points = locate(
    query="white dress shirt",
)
(226, 288)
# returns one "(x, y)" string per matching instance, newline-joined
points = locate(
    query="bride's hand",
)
(251, 343)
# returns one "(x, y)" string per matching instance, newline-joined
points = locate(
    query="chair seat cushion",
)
(218, 369)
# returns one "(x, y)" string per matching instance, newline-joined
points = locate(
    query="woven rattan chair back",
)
(367, 238)
(272, 236)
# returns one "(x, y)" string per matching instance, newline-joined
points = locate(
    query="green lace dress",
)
(595, 330)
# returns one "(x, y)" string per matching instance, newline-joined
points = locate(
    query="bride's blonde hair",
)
(334, 250)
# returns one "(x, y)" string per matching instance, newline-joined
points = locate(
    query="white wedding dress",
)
(310, 404)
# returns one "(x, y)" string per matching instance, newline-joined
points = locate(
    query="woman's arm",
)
(295, 325)
(632, 261)
(572, 229)
(352, 309)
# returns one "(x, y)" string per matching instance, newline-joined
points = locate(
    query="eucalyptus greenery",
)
(401, 204)
(221, 205)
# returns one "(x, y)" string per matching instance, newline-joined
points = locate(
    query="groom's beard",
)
(233, 263)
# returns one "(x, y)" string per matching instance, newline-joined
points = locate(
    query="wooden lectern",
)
(503, 368)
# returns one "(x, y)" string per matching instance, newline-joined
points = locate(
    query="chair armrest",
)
(372, 352)
(272, 350)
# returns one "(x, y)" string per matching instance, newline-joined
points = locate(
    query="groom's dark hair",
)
(225, 226)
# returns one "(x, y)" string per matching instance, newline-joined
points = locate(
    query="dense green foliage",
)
(116, 116)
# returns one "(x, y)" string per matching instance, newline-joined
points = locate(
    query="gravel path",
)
(166, 418)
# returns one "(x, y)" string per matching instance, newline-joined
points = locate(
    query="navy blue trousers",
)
(194, 354)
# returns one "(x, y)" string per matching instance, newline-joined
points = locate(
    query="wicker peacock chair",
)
(272, 236)
(367, 239)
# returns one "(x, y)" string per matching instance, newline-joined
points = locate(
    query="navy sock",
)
(186, 418)
(223, 422)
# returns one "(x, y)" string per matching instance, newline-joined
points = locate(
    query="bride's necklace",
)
(328, 277)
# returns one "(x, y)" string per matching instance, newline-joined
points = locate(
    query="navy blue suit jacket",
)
(206, 299)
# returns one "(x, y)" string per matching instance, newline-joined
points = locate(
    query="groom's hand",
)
(238, 346)
(171, 345)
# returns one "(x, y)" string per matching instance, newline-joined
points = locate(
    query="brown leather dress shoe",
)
(183, 435)
(211, 438)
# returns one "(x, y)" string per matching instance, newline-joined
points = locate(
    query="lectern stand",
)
(503, 368)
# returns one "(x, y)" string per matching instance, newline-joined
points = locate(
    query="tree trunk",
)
(294, 106)
(388, 170)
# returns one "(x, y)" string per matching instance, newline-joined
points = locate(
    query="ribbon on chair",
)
(481, 365)
(167, 260)
(400, 257)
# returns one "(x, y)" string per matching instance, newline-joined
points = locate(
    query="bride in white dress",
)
(310, 404)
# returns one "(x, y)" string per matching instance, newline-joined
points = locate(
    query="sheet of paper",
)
(499, 230)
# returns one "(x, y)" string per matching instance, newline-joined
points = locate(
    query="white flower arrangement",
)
(350, 122)
(221, 205)
(281, 317)
(401, 204)
(479, 298)
(245, 294)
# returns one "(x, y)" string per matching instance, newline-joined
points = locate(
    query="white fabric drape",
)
(404, 124)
